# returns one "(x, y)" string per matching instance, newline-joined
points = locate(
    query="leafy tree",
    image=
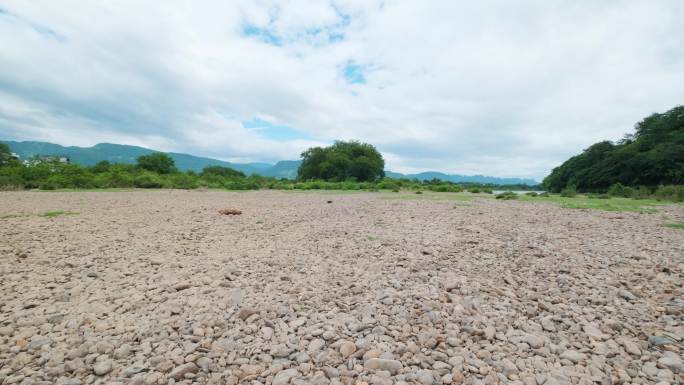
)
(157, 162)
(342, 161)
(100, 167)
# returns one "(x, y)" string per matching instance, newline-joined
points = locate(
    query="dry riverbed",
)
(157, 287)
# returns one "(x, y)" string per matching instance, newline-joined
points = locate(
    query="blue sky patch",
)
(274, 131)
(40, 29)
(264, 34)
(353, 73)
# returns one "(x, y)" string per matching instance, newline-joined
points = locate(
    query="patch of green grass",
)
(585, 202)
(372, 238)
(9, 216)
(679, 225)
(53, 214)
(437, 196)
(325, 192)
(108, 189)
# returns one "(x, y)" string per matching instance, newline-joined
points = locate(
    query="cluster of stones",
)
(427, 303)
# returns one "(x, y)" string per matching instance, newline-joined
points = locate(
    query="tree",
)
(5, 155)
(158, 162)
(342, 161)
(101, 166)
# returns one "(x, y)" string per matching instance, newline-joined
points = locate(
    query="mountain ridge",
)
(123, 153)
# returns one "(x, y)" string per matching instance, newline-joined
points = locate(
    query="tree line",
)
(342, 166)
(651, 157)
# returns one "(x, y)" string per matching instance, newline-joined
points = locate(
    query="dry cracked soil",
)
(157, 287)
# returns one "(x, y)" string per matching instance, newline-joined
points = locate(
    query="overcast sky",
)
(503, 88)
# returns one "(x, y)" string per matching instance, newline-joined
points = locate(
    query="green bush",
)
(531, 194)
(670, 193)
(148, 179)
(474, 190)
(183, 181)
(569, 192)
(386, 184)
(545, 194)
(642, 192)
(618, 190)
(507, 195)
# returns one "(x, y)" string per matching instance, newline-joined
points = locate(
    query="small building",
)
(55, 158)
(38, 159)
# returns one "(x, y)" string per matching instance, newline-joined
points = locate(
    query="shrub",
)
(618, 190)
(220, 171)
(569, 192)
(642, 192)
(387, 185)
(670, 193)
(531, 194)
(183, 181)
(474, 190)
(507, 195)
(148, 180)
(545, 194)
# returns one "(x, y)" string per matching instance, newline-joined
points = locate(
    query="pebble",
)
(424, 377)
(103, 367)
(283, 377)
(383, 364)
(455, 296)
(572, 355)
(179, 372)
(347, 348)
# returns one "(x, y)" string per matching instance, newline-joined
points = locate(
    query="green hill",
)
(652, 156)
(120, 153)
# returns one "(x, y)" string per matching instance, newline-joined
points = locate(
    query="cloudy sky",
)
(503, 88)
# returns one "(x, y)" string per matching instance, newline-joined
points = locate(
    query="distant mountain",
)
(284, 169)
(428, 175)
(120, 153)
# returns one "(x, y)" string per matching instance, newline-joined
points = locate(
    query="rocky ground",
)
(157, 287)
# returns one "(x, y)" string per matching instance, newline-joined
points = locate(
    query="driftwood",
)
(230, 212)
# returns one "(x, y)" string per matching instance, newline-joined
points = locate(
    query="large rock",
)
(383, 364)
(179, 372)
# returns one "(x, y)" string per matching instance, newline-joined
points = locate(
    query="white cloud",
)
(490, 88)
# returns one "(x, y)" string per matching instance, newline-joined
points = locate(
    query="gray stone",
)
(179, 372)
(382, 364)
(103, 367)
(284, 376)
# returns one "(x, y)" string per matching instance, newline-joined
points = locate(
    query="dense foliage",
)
(652, 156)
(160, 172)
(157, 162)
(5, 155)
(353, 161)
